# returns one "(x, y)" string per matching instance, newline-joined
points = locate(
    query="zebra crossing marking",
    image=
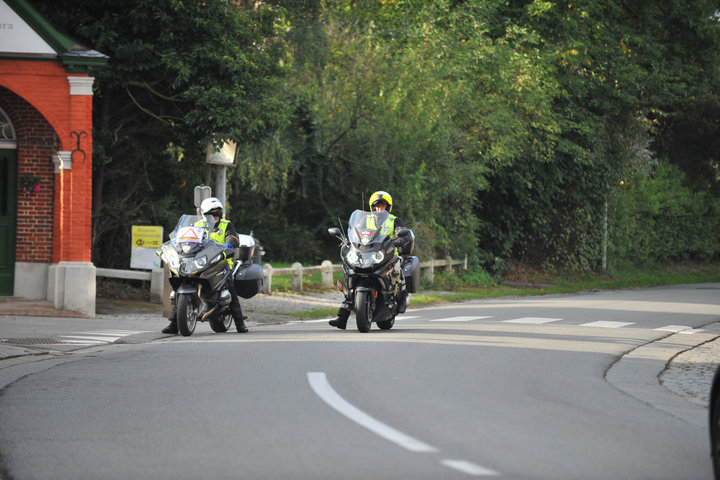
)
(533, 320)
(457, 319)
(680, 329)
(607, 324)
(684, 329)
(100, 337)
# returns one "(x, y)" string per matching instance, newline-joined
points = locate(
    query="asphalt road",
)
(531, 388)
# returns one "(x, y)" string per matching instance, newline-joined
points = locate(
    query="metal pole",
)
(605, 237)
(220, 180)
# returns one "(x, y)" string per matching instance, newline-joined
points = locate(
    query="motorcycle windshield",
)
(367, 228)
(192, 229)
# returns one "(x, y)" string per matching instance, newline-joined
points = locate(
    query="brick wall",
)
(46, 115)
(36, 144)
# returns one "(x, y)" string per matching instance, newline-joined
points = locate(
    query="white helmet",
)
(211, 206)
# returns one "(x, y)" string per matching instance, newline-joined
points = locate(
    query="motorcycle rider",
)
(225, 234)
(379, 201)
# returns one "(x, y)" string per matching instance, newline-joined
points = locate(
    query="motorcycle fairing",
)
(364, 229)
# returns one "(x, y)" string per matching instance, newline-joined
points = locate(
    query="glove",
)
(227, 245)
(398, 242)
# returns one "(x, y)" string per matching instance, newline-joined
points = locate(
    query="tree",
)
(180, 75)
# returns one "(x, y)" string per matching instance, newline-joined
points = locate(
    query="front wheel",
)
(187, 313)
(363, 310)
(222, 323)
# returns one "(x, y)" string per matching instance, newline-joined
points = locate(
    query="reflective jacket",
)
(221, 235)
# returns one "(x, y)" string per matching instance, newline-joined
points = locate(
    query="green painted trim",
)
(8, 221)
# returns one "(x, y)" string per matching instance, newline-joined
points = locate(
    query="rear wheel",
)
(363, 310)
(221, 324)
(386, 324)
(187, 314)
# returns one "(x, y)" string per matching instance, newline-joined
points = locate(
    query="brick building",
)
(45, 161)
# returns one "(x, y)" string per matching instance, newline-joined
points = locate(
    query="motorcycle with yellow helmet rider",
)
(379, 271)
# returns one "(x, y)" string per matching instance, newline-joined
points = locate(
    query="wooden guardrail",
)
(156, 277)
(296, 271)
(158, 283)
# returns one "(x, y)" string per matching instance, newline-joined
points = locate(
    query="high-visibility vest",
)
(387, 228)
(219, 234)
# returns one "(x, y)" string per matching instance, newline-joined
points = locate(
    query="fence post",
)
(430, 271)
(267, 282)
(449, 261)
(327, 273)
(465, 263)
(157, 282)
(297, 276)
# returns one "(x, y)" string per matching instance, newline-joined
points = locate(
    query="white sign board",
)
(224, 156)
(146, 240)
(145, 258)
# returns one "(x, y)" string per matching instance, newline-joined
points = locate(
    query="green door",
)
(8, 219)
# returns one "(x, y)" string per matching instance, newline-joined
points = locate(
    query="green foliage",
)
(474, 278)
(619, 71)
(501, 128)
(657, 218)
(180, 75)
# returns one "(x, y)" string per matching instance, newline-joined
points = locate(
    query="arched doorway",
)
(8, 200)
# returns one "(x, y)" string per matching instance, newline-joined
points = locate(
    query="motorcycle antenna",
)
(342, 230)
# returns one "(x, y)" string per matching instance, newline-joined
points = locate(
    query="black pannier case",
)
(249, 280)
(411, 272)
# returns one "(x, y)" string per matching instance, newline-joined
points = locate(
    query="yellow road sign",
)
(146, 236)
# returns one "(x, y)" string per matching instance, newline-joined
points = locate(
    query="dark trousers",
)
(234, 301)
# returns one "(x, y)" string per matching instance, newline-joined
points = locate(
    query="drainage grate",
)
(31, 341)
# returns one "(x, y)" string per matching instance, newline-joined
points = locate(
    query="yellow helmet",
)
(381, 196)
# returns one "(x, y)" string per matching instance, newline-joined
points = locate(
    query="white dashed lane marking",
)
(542, 320)
(533, 320)
(469, 468)
(457, 319)
(99, 337)
(680, 329)
(606, 324)
(323, 389)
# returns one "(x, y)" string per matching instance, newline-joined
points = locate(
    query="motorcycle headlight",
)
(217, 258)
(171, 257)
(378, 257)
(200, 262)
(352, 257)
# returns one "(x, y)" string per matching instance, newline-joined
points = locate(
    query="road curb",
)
(638, 374)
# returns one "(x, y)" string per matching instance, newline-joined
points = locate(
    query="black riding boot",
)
(172, 328)
(240, 324)
(342, 318)
(238, 316)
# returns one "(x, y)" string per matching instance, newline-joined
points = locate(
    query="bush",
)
(473, 278)
(656, 218)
